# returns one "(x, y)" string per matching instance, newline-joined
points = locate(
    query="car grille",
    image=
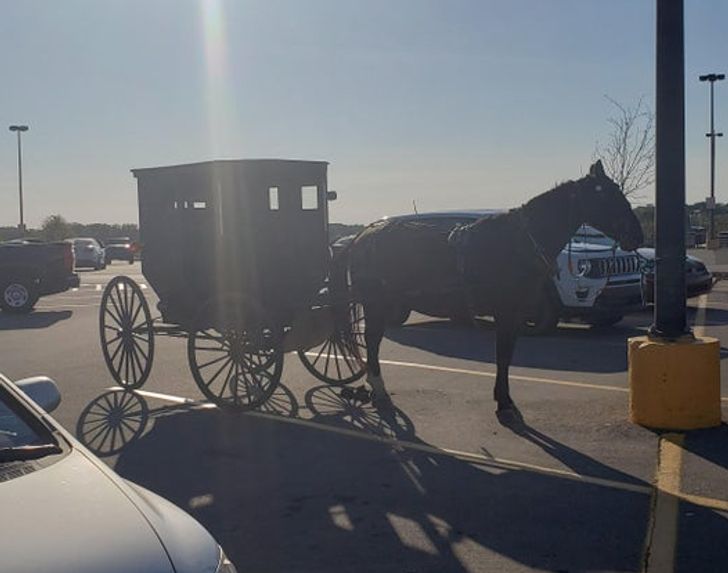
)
(612, 266)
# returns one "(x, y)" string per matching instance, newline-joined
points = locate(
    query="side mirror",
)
(331, 195)
(42, 390)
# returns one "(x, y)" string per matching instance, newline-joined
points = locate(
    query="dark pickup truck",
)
(29, 270)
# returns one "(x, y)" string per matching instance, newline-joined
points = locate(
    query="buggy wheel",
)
(340, 359)
(238, 368)
(126, 331)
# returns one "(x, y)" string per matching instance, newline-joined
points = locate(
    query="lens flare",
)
(218, 94)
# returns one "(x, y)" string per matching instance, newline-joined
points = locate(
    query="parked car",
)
(120, 249)
(29, 270)
(698, 279)
(596, 282)
(89, 253)
(67, 512)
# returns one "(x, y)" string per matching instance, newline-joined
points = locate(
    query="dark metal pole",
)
(670, 309)
(712, 78)
(20, 182)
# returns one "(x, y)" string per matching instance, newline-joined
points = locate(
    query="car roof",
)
(466, 214)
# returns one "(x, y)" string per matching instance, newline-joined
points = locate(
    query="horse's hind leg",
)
(375, 317)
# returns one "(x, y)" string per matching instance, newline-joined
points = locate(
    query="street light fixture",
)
(20, 129)
(710, 203)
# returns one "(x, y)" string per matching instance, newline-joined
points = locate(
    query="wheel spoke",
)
(211, 362)
(228, 374)
(140, 349)
(209, 382)
(107, 310)
(318, 356)
(137, 361)
(116, 352)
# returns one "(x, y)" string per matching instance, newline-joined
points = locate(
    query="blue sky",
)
(454, 104)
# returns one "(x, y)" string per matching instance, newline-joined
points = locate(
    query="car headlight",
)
(583, 266)
(225, 565)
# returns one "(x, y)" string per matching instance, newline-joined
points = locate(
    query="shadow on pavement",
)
(36, 319)
(569, 349)
(285, 494)
(117, 418)
(710, 445)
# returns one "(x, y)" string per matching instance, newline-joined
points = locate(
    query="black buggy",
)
(237, 253)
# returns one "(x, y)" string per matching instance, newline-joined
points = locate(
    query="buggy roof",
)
(242, 162)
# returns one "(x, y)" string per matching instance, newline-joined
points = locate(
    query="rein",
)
(549, 268)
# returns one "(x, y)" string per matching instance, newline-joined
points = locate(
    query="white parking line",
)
(480, 459)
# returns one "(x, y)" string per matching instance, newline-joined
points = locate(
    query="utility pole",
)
(20, 129)
(710, 203)
(670, 309)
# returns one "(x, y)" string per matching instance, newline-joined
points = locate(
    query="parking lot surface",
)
(317, 482)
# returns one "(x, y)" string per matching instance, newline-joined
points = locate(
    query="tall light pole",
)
(20, 129)
(712, 78)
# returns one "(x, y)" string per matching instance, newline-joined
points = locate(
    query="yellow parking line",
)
(659, 554)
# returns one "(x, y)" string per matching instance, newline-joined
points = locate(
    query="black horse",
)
(495, 266)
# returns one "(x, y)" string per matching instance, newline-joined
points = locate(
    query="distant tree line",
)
(56, 228)
(696, 215)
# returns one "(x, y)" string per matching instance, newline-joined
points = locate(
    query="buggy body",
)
(254, 228)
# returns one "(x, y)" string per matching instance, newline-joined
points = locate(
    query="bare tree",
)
(55, 228)
(628, 153)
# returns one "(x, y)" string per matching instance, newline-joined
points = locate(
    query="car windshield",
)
(591, 236)
(83, 243)
(18, 429)
(118, 241)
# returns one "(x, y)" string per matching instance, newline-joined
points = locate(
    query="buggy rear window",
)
(309, 197)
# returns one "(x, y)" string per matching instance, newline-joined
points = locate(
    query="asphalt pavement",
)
(317, 482)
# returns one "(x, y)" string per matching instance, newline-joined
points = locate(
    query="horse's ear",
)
(597, 170)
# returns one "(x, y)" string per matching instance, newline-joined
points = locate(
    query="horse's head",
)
(604, 206)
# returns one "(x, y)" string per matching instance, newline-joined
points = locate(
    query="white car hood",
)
(72, 517)
(592, 248)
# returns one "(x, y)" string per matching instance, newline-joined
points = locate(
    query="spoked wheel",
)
(236, 365)
(341, 358)
(127, 334)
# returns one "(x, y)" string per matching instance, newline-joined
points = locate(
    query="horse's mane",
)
(559, 191)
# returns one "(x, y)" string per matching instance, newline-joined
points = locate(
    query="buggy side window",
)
(309, 197)
(273, 204)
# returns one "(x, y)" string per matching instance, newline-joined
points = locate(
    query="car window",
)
(14, 431)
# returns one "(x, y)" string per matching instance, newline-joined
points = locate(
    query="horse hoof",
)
(510, 416)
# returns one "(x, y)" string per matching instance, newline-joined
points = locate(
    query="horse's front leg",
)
(507, 329)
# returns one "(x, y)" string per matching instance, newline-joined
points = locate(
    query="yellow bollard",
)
(674, 385)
